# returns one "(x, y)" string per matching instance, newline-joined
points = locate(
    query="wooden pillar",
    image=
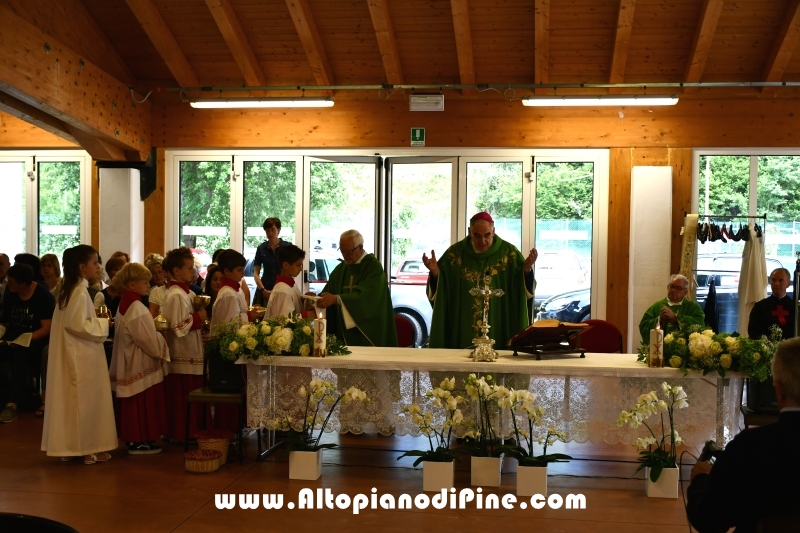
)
(619, 220)
(155, 209)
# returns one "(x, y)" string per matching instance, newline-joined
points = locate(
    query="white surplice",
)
(140, 355)
(753, 278)
(79, 415)
(229, 305)
(284, 300)
(185, 344)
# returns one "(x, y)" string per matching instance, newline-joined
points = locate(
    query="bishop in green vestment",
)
(456, 313)
(674, 311)
(357, 297)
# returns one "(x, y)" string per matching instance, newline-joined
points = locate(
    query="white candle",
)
(656, 347)
(320, 337)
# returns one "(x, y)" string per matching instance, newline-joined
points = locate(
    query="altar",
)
(581, 396)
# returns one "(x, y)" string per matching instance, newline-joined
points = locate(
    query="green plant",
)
(522, 405)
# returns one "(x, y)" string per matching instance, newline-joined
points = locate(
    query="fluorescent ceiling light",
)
(600, 100)
(238, 103)
(426, 102)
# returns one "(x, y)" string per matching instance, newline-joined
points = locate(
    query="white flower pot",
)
(531, 480)
(437, 476)
(486, 471)
(665, 487)
(305, 465)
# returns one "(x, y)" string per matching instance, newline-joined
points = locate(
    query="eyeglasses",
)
(678, 287)
(348, 252)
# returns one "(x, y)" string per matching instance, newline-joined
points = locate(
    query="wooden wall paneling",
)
(162, 38)
(619, 218)
(82, 33)
(16, 133)
(35, 117)
(45, 73)
(681, 161)
(155, 209)
(95, 200)
(650, 157)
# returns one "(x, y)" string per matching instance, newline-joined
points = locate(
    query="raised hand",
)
(531, 259)
(431, 264)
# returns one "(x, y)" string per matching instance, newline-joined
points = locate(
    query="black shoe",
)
(746, 233)
(143, 448)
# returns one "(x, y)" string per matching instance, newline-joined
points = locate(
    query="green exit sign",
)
(417, 136)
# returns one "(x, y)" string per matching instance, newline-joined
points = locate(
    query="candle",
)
(320, 337)
(656, 348)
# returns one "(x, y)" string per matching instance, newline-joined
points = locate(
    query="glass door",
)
(14, 182)
(422, 201)
(342, 193)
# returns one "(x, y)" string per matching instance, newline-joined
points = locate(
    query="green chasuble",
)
(456, 312)
(364, 291)
(688, 313)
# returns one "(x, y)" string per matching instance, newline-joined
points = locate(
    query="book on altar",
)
(554, 323)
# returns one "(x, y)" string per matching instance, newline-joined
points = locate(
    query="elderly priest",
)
(463, 266)
(674, 311)
(357, 297)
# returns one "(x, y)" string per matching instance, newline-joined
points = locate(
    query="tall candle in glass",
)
(320, 337)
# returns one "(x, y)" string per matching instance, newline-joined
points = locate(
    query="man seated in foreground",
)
(674, 311)
(757, 475)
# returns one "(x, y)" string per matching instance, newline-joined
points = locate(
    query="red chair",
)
(602, 337)
(405, 332)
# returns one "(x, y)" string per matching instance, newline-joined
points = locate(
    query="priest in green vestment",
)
(674, 311)
(359, 306)
(456, 313)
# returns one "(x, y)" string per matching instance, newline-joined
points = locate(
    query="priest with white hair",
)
(674, 311)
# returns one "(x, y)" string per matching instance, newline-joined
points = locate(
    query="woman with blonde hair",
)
(138, 365)
(51, 272)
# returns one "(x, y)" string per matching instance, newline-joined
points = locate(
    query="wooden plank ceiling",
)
(351, 42)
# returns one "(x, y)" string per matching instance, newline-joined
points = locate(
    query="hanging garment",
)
(752, 279)
(711, 310)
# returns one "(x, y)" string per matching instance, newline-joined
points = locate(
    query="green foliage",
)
(269, 191)
(564, 191)
(205, 201)
(497, 189)
(779, 187)
(328, 195)
(729, 180)
(59, 204)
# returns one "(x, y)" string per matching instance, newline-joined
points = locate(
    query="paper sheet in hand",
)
(23, 340)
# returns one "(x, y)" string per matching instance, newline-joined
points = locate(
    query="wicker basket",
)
(202, 466)
(221, 445)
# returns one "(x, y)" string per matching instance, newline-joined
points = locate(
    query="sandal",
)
(93, 458)
(39, 413)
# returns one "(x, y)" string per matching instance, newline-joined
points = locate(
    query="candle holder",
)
(320, 352)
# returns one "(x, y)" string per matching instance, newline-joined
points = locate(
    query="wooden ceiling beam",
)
(312, 43)
(231, 30)
(40, 71)
(541, 37)
(466, 58)
(701, 45)
(784, 45)
(33, 115)
(622, 41)
(160, 35)
(382, 23)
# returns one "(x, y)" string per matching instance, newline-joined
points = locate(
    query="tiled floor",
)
(154, 493)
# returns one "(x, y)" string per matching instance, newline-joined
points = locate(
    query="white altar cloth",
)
(581, 396)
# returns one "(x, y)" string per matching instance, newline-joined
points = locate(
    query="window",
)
(205, 206)
(12, 204)
(744, 183)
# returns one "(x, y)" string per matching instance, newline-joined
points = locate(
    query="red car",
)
(411, 272)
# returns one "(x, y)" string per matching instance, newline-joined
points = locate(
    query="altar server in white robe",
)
(185, 342)
(138, 365)
(285, 298)
(79, 415)
(230, 303)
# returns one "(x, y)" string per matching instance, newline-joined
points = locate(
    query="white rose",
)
(250, 343)
(305, 350)
(234, 346)
(307, 330)
(265, 329)
(244, 331)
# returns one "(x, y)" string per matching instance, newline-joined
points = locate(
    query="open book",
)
(554, 323)
(23, 340)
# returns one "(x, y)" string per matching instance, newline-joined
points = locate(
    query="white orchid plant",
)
(482, 441)
(656, 453)
(437, 427)
(322, 397)
(526, 412)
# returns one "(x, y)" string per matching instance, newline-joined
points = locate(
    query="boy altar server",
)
(138, 365)
(286, 298)
(184, 341)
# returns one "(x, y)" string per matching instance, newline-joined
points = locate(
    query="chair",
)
(405, 332)
(751, 417)
(19, 523)
(602, 337)
(207, 396)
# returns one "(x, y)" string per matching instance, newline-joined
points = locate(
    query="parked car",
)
(411, 271)
(557, 272)
(575, 306)
(409, 300)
